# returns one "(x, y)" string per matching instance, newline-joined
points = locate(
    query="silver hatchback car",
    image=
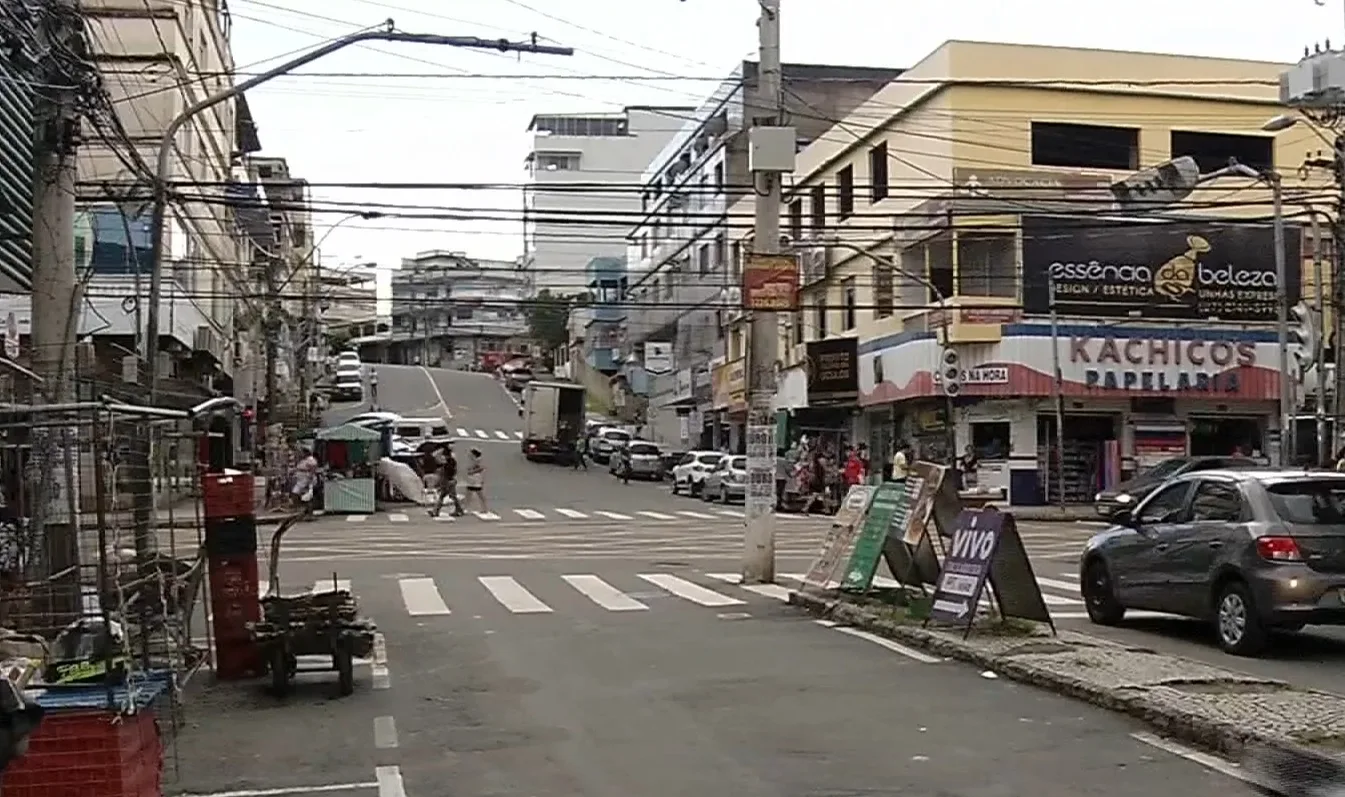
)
(1253, 551)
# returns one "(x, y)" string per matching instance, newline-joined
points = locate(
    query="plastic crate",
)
(231, 536)
(78, 754)
(234, 602)
(228, 495)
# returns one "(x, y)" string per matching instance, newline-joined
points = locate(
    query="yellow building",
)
(984, 169)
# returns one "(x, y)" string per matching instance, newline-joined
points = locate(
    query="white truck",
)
(553, 419)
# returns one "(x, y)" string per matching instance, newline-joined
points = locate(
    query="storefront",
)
(832, 375)
(729, 400)
(1131, 395)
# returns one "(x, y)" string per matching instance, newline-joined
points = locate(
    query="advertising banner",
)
(771, 282)
(833, 370)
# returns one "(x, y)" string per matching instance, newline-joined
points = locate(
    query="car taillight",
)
(1278, 549)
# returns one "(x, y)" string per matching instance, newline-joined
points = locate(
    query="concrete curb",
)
(1224, 738)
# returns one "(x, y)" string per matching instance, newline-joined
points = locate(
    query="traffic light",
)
(19, 717)
(950, 372)
(1165, 184)
(1304, 333)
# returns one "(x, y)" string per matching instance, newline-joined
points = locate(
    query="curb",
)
(1224, 738)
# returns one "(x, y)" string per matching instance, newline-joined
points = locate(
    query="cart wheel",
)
(345, 668)
(280, 671)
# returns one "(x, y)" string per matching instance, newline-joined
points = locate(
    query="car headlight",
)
(1097, 497)
(1124, 498)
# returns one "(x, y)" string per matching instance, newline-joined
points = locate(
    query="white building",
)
(566, 226)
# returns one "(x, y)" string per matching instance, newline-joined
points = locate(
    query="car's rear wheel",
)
(1236, 622)
(1099, 595)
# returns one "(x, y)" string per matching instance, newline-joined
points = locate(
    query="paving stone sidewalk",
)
(1223, 711)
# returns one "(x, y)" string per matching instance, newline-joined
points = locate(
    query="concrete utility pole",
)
(758, 566)
(54, 310)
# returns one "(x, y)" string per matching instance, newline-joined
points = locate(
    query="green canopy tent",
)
(359, 451)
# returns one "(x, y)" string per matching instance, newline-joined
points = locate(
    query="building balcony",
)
(605, 313)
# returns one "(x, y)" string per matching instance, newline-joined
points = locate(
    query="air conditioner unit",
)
(204, 339)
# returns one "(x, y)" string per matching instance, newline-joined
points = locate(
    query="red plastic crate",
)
(228, 495)
(234, 602)
(76, 754)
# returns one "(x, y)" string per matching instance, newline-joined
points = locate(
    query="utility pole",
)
(271, 324)
(758, 566)
(54, 310)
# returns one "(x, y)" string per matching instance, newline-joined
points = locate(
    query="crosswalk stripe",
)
(398, 517)
(462, 432)
(614, 515)
(656, 515)
(513, 595)
(604, 594)
(1056, 600)
(422, 597)
(570, 513)
(775, 591)
(686, 590)
(356, 518)
(482, 434)
(518, 435)
(730, 513)
(1068, 586)
(487, 515)
(697, 515)
(328, 585)
(501, 435)
(530, 514)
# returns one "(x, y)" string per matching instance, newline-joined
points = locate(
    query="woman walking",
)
(476, 479)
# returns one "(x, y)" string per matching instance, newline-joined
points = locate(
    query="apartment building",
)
(454, 311)
(969, 197)
(681, 275)
(567, 225)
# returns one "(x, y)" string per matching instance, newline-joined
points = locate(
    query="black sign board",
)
(833, 369)
(985, 549)
(1188, 270)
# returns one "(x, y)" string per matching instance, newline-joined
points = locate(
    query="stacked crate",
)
(231, 548)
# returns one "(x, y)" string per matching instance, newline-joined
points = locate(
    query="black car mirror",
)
(1122, 516)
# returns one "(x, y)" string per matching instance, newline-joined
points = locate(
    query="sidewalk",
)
(1220, 710)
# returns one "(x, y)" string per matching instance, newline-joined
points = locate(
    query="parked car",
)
(670, 460)
(646, 460)
(349, 385)
(408, 434)
(727, 482)
(1129, 493)
(1251, 551)
(371, 419)
(690, 472)
(605, 441)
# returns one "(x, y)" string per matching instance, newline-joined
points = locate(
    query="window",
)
(703, 193)
(719, 177)
(845, 192)
(703, 259)
(735, 262)
(819, 201)
(1215, 500)
(798, 327)
(721, 251)
(558, 161)
(1213, 150)
(796, 220)
(991, 439)
(986, 264)
(940, 259)
(1309, 501)
(878, 173)
(1165, 506)
(849, 301)
(882, 291)
(1085, 146)
(820, 320)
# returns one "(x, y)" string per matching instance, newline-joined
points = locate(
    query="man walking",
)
(448, 481)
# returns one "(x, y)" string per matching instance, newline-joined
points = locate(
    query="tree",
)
(549, 318)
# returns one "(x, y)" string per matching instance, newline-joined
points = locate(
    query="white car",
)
(409, 433)
(690, 471)
(606, 441)
(374, 418)
(347, 358)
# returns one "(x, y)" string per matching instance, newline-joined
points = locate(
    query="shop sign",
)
(682, 385)
(986, 375)
(1188, 270)
(1159, 365)
(770, 282)
(730, 386)
(833, 369)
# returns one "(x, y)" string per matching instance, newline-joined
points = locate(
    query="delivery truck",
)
(553, 419)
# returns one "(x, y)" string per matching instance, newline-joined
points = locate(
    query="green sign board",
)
(889, 504)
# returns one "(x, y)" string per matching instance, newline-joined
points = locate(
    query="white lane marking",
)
(530, 514)
(697, 515)
(482, 434)
(1220, 765)
(513, 595)
(487, 515)
(1131, 614)
(688, 591)
(1065, 585)
(422, 598)
(656, 515)
(767, 590)
(385, 733)
(1056, 600)
(379, 671)
(356, 518)
(604, 594)
(398, 517)
(390, 783)
(443, 405)
(462, 432)
(327, 585)
(895, 647)
(614, 515)
(501, 435)
(299, 791)
(570, 513)
(730, 513)
(518, 435)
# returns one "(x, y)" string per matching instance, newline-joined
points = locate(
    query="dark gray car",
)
(1253, 551)
(1130, 492)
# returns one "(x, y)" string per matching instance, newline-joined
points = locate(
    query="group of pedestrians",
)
(441, 463)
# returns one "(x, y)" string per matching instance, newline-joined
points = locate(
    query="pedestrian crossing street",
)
(561, 513)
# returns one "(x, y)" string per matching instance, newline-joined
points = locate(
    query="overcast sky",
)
(461, 129)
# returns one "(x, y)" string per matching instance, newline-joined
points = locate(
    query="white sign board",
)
(12, 337)
(658, 357)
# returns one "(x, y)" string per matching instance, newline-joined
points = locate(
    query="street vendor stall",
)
(349, 455)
